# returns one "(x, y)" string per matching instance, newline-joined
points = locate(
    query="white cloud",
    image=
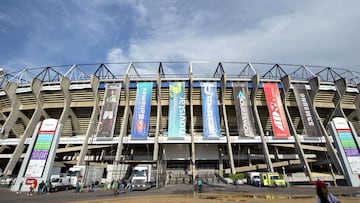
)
(303, 32)
(116, 55)
(316, 33)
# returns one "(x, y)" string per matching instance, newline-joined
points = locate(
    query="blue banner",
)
(177, 110)
(210, 110)
(140, 123)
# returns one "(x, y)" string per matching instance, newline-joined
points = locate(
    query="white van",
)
(59, 182)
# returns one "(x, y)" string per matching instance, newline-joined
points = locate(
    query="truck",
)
(253, 178)
(59, 182)
(86, 175)
(144, 177)
(271, 180)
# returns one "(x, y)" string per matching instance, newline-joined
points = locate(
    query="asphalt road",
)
(244, 190)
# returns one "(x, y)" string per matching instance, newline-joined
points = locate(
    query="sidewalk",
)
(210, 191)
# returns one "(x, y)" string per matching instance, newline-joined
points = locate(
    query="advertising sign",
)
(276, 110)
(108, 111)
(40, 152)
(306, 110)
(244, 116)
(210, 110)
(140, 123)
(348, 143)
(177, 110)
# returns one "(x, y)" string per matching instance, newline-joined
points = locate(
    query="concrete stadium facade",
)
(76, 97)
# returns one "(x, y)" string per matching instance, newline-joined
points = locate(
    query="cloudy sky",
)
(40, 33)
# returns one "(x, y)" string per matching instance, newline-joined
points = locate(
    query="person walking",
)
(237, 183)
(116, 187)
(40, 188)
(112, 183)
(77, 188)
(323, 195)
(199, 183)
(48, 187)
(31, 191)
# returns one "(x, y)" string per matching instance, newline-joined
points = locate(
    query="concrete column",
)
(255, 82)
(358, 102)
(75, 122)
(354, 116)
(193, 157)
(124, 124)
(231, 156)
(65, 85)
(341, 86)
(10, 90)
(36, 85)
(158, 118)
(24, 118)
(286, 81)
(315, 85)
(94, 81)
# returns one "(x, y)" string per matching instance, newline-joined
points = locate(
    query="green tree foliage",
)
(237, 176)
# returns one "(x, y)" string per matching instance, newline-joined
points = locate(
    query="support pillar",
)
(255, 82)
(193, 157)
(65, 85)
(36, 85)
(10, 90)
(124, 124)
(158, 118)
(228, 140)
(315, 85)
(94, 80)
(286, 81)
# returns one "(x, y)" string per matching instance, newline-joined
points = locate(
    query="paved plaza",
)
(210, 191)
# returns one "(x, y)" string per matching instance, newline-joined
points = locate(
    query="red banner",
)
(276, 110)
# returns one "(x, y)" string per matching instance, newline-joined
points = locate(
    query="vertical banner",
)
(141, 117)
(108, 112)
(210, 110)
(276, 110)
(41, 150)
(306, 110)
(244, 117)
(177, 110)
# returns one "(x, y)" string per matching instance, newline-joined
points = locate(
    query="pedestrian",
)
(40, 188)
(31, 191)
(129, 186)
(112, 183)
(323, 195)
(116, 188)
(48, 187)
(20, 186)
(77, 188)
(237, 183)
(199, 183)
(122, 186)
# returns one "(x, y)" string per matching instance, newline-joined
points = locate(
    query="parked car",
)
(59, 183)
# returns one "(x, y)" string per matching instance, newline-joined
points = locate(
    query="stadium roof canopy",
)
(180, 69)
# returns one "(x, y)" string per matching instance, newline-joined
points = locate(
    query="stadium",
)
(189, 118)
